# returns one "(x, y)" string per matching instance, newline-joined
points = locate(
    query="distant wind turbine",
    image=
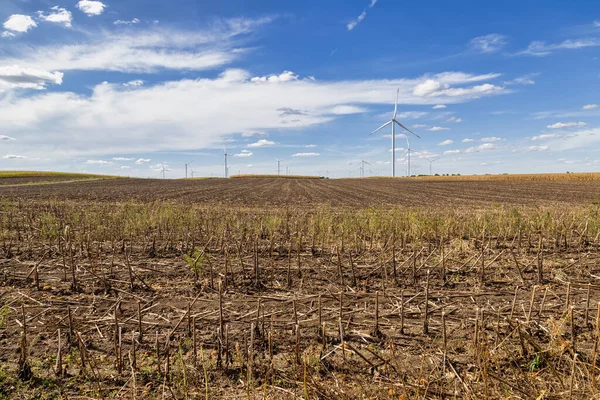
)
(393, 122)
(192, 173)
(362, 168)
(186, 167)
(226, 169)
(278, 165)
(431, 161)
(163, 170)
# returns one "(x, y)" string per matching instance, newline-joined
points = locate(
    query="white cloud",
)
(255, 133)
(134, 83)
(597, 23)
(14, 157)
(539, 48)
(383, 162)
(4, 137)
(445, 142)
(454, 119)
(537, 148)
(590, 107)
(468, 140)
(15, 77)
(310, 146)
(146, 50)
(99, 162)
(115, 117)
(439, 128)
(91, 7)
(58, 15)
(306, 155)
(546, 136)
(485, 146)
(451, 152)
(438, 106)
(488, 44)
(417, 126)
(286, 76)
(346, 110)
(491, 139)
(125, 167)
(159, 167)
(522, 80)
(411, 115)
(352, 24)
(441, 86)
(19, 23)
(7, 34)
(132, 22)
(244, 153)
(143, 161)
(562, 125)
(123, 158)
(262, 143)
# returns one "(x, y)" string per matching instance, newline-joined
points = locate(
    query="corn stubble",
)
(168, 300)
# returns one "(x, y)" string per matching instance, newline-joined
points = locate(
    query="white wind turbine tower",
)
(226, 169)
(163, 170)
(362, 168)
(393, 122)
(431, 161)
(186, 167)
(278, 165)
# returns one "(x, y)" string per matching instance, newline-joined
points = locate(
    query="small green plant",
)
(196, 263)
(4, 313)
(536, 363)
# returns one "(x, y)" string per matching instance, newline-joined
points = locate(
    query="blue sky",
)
(124, 87)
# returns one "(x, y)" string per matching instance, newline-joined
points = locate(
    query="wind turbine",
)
(393, 122)
(226, 169)
(278, 165)
(362, 168)
(163, 170)
(431, 161)
(192, 173)
(186, 166)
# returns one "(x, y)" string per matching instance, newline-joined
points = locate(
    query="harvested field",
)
(260, 192)
(264, 288)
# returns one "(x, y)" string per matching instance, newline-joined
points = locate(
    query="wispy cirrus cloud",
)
(540, 49)
(488, 44)
(354, 23)
(563, 125)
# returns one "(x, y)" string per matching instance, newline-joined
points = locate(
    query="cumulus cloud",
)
(143, 160)
(58, 15)
(546, 136)
(438, 106)
(588, 107)
(454, 120)
(14, 157)
(563, 125)
(490, 139)
(134, 83)
(262, 143)
(347, 109)
(123, 158)
(19, 23)
(451, 152)
(445, 142)
(438, 128)
(488, 44)
(539, 48)
(485, 146)
(286, 76)
(537, 148)
(306, 155)
(132, 22)
(468, 140)
(114, 116)
(16, 77)
(243, 153)
(99, 162)
(441, 86)
(91, 7)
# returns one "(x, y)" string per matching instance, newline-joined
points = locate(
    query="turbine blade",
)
(381, 127)
(402, 126)
(396, 106)
(367, 163)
